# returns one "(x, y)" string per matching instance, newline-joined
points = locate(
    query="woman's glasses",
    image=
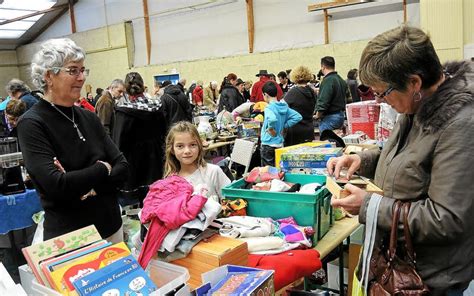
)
(384, 94)
(73, 71)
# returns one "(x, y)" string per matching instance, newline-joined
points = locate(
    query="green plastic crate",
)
(308, 209)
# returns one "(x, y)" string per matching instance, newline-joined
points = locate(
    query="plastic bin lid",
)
(167, 276)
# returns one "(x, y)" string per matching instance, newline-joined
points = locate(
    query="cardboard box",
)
(363, 117)
(352, 148)
(211, 253)
(339, 192)
(280, 151)
(263, 284)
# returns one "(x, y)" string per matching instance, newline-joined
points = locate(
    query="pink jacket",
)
(168, 205)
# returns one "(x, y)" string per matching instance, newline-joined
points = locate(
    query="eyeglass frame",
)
(385, 93)
(71, 70)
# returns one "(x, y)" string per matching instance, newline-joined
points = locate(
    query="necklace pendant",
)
(79, 134)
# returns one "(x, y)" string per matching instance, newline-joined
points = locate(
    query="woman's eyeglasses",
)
(384, 94)
(73, 71)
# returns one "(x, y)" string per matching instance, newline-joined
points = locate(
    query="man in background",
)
(257, 94)
(105, 106)
(331, 101)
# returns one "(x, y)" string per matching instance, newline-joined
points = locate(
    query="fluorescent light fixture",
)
(34, 5)
(11, 34)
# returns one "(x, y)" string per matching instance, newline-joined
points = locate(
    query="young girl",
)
(185, 158)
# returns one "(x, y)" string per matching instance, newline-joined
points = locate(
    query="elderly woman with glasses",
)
(427, 161)
(74, 165)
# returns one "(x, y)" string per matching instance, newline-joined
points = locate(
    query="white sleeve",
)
(218, 178)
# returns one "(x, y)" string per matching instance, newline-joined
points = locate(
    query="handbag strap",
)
(369, 240)
(406, 229)
(394, 231)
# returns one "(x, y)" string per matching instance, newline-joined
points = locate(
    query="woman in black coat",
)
(302, 99)
(230, 97)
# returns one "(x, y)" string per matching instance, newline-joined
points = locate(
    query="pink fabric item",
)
(168, 205)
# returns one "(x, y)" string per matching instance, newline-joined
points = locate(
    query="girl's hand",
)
(335, 164)
(58, 165)
(353, 202)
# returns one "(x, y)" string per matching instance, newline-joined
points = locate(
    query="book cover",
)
(58, 245)
(47, 266)
(79, 267)
(123, 277)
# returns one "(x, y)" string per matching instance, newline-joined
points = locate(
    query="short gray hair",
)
(16, 85)
(54, 53)
(116, 83)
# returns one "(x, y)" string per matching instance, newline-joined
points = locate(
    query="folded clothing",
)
(245, 226)
(288, 266)
(262, 174)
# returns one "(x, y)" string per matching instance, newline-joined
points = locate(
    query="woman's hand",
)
(352, 202)
(58, 165)
(351, 162)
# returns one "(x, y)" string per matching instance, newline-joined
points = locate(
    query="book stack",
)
(77, 263)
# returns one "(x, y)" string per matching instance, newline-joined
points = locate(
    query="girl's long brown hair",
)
(172, 165)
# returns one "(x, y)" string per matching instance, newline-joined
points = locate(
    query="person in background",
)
(98, 94)
(145, 93)
(182, 85)
(15, 109)
(197, 93)
(247, 88)
(105, 107)
(17, 89)
(230, 97)
(331, 102)
(272, 77)
(90, 98)
(134, 87)
(185, 158)
(157, 89)
(278, 117)
(425, 161)
(257, 95)
(302, 99)
(211, 94)
(175, 105)
(75, 167)
(285, 83)
(352, 84)
(240, 85)
(189, 92)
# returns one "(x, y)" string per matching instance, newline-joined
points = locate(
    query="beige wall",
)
(8, 69)
(108, 60)
(443, 20)
(468, 17)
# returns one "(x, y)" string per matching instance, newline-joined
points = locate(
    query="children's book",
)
(49, 265)
(59, 245)
(123, 277)
(81, 266)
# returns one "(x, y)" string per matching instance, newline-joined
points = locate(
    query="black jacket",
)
(230, 98)
(176, 106)
(302, 100)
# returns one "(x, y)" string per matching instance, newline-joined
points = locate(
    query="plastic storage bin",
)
(308, 209)
(165, 275)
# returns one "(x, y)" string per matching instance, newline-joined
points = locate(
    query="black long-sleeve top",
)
(44, 133)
